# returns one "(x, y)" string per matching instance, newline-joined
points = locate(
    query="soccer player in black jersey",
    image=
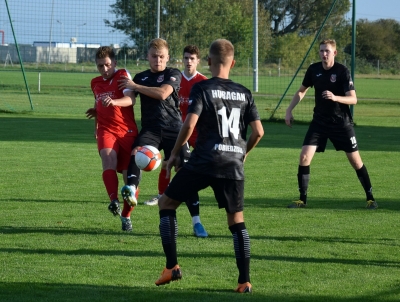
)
(160, 115)
(334, 92)
(190, 76)
(221, 110)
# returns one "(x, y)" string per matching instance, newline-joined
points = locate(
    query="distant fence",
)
(71, 35)
(40, 54)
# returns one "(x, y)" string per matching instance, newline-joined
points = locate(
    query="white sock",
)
(195, 219)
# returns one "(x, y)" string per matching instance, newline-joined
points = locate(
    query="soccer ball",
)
(148, 158)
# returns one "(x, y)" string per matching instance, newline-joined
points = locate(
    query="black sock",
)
(363, 176)
(303, 177)
(193, 205)
(168, 233)
(133, 174)
(241, 243)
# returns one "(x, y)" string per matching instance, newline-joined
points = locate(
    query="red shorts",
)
(121, 144)
(192, 138)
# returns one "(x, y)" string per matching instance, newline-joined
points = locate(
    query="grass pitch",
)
(58, 242)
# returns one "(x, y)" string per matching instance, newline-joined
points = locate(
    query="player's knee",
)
(166, 203)
(305, 159)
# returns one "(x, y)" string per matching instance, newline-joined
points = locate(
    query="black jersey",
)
(337, 80)
(158, 114)
(225, 110)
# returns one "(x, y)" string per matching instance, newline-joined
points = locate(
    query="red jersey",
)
(184, 91)
(117, 120)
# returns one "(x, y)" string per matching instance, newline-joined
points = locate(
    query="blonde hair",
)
(221, 51)
(331, 42)
(158, 44)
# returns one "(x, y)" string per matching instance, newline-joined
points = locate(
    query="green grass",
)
(58, 242)
(64, 93)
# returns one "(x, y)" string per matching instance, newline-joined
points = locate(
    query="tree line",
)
(286, 28)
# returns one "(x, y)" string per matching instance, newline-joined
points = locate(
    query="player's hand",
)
(134, 151)
(126, 83)
(91, 113)
(173, 161)
(107, 101)
(289, 119)
(328, 95)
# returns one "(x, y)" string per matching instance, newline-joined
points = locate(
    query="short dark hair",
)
(192, 49)
(104, 52)
(220, 51)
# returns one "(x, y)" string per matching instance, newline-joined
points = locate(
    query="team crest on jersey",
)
(333, 78)
(160, 78)
(172, 79)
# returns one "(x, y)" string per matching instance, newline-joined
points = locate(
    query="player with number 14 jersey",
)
(223, 140)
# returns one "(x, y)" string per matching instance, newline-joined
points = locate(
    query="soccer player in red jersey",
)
(190, 76)
(115, 127)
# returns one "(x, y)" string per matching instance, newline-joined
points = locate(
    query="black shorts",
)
(162, 140)
(227, 192)
(342, 137)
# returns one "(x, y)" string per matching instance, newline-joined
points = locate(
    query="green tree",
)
(138, 19)
(290, 49)
(295, 24)
(378, 40)
(192, 22)
(208, 20)
(302, 16)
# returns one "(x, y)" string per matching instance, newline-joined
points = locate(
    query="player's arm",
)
(127, 100)
(298, 96)
(257, 132)
(96, 126)
(183, 136)
(158, 93)
(92, 113)
(349, 99)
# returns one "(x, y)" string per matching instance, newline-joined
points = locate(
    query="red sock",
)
(162, 181)
(127, 210)
(110, 180)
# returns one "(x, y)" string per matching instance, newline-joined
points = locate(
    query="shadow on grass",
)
(150, 253)
(384, 204)
(277, 135)
(138, 251)
(356, 204)
(49, 292)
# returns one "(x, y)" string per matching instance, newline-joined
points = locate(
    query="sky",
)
(85, 19)
(378, 9)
